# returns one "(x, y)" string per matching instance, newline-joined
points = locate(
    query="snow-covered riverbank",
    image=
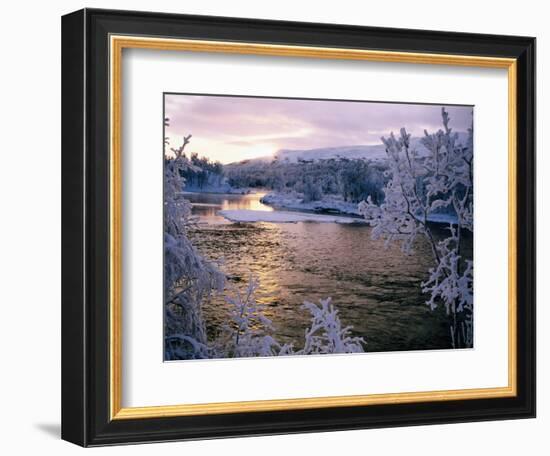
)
(295, 201)
(290, 208)
(222, 190)
(251, 216)
(333, 205)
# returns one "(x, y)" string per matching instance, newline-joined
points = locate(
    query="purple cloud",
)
(234, 128)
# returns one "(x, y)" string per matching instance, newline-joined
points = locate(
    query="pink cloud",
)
(231, 123)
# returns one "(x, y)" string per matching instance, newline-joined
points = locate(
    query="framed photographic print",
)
(279, 227)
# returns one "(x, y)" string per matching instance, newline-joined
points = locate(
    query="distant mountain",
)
(371, 152)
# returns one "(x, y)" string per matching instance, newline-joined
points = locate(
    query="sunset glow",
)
(231, 129)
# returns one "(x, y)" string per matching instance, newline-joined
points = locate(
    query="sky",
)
(231, 129)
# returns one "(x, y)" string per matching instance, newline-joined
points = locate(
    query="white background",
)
(30, 228)
(147, 73)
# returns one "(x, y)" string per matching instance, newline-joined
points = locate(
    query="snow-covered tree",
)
(312, 190)
(351, 179)
(326, 334)
(248, 332)
(420, 186)
(188, 278)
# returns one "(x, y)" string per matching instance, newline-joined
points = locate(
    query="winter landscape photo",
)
(308, 226)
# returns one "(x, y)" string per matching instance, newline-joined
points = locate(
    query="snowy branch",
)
(419, 186)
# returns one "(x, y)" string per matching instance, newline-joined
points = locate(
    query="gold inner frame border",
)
(117, 44)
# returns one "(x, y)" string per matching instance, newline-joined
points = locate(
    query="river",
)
(376, 289)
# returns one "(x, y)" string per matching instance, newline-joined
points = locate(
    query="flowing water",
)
(376, 289)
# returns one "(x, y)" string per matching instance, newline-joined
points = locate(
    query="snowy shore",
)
(222, 190)
(333, 205)
(250, 216)
(295, 201)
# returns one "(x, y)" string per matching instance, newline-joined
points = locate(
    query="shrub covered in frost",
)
(326, 334)
(248, 331)
(418, 187)
(188, 278)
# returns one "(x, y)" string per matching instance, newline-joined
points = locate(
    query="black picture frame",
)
(85, 228)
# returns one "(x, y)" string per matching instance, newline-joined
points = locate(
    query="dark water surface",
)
(375, 289)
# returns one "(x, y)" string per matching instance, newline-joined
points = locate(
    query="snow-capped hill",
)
(372, 152)
(369, 152)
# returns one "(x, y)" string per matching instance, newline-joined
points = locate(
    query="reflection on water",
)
(206, 205)
(376, 289)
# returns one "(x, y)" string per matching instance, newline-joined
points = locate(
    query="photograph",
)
(311, 226)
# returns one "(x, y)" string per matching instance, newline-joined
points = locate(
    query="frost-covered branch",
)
(188, 278)
(249, 331)
(419, 187)
(326, 334)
